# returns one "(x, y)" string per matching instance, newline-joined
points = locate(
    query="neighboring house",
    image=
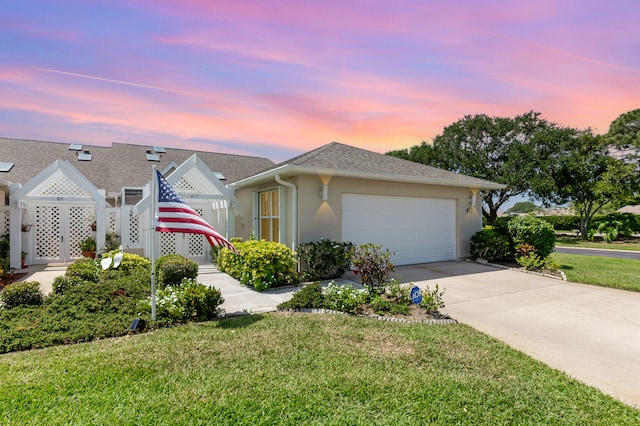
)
(53, 192)
(629, 209)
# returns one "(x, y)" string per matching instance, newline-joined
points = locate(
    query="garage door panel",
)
(416, 229)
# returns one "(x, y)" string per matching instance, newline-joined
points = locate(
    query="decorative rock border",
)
(430, 321)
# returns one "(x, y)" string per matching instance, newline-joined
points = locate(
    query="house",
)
(342, 193)
(53, 192)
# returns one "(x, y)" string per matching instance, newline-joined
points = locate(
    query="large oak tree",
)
(503, 150)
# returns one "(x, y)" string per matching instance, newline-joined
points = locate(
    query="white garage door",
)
(417, 230)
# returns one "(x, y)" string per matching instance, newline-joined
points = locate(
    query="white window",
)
(269, 215)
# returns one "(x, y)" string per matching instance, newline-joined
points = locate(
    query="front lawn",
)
(296, 369)
(603, 271)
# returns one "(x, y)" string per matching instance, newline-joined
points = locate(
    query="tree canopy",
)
(582, 172)
(624, 131)
(498, 149)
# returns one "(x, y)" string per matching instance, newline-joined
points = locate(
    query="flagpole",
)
(154, 197)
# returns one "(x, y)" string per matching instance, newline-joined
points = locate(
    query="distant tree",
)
(498, 149)
(523, 207)
(583, 172)
(624, 132)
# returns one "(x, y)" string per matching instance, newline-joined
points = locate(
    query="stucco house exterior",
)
(52, 192)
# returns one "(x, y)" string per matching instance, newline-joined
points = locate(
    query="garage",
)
(416, 230)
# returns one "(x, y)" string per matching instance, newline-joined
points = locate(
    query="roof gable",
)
(59, 180)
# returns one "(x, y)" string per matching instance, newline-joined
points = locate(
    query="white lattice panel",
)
(183, 186)
(62, 186)
(79, 229)
(47, 224)
(4, 218)
(134, 228)
(196, 242)
(167, 243)
(112, 221)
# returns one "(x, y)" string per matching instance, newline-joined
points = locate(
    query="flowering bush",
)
(345, 298)
(189, 301)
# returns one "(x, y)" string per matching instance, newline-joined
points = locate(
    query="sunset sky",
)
(278, 78)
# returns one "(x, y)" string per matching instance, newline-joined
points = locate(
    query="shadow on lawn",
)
(239, 321)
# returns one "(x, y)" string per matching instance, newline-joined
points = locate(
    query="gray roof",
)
(346, 160)
(116, 166)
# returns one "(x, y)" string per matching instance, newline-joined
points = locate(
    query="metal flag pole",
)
(152, 254)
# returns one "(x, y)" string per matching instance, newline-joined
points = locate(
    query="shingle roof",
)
(119, 165)
(346, 158)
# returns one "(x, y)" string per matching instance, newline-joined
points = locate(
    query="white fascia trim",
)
(291, 170)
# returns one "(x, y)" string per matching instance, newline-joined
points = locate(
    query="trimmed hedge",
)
(171, 269)
(491, 245)
(21, 293)
(260, 264)
(323, 260)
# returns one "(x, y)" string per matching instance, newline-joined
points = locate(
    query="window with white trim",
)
(269, 215)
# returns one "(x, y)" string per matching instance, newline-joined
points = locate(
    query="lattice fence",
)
(196, 242)
(4, 220)
(183, 186)
(134, 228)
(79, 229)
(47, 224)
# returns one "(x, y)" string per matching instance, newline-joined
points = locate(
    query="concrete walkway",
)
(591, 333)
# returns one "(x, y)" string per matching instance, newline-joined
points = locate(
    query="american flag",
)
(174, 215)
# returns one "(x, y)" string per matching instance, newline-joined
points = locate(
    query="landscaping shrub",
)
(614, 225)
(186, 302)
(534, 231)
(171, 269)
(63, 283)
(373, 264)
(345, 298)
(84, 269)
(132, 263)
(489, 244)
(563, 222)
(309, 296)
(260, 264)
(21, 293)
(432, 300)
(323, 260)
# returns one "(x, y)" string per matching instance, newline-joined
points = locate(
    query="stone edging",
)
(431, 321)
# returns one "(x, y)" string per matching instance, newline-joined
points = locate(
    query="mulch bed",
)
(11, 278)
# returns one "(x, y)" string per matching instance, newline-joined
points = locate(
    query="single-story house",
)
(53, 192)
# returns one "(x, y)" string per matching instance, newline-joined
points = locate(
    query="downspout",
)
(294, 211)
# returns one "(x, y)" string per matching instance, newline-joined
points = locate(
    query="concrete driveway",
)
(591, 333)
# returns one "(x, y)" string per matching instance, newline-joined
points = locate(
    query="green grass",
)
(296, 369)
(602, 271)
(568, 241)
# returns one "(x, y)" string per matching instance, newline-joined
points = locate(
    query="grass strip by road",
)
(296, 369)
(602, 271)
(576, 242)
